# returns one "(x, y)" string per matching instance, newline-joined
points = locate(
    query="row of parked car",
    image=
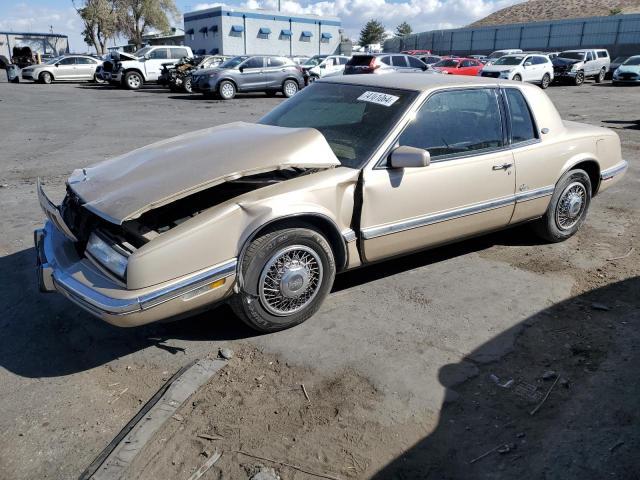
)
(177, 68)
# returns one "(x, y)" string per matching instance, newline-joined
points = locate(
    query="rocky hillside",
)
(539, 10)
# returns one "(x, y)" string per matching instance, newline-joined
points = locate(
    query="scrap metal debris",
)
(290, 465)
(206, 466)
(533, 412)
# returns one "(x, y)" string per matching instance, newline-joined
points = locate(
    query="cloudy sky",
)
(59, 15)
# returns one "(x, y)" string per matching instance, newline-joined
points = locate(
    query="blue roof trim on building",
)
(203, 29)
(191, 31)
(286, 32)
(213, 28)
(35, 34)
(265, 31)
(326, 35)
(307, 34)
(237, 28)
(214, 51)
(259, 16)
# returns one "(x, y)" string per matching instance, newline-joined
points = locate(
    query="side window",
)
(343, 60)
(539, 60)
(415, 63)
(329, 62)
(436, 127)
(254, 62)
(178, 53)
(275, 62)
(86, 61)
(68, 61)
(522, 126)
(602, 54)
(159, 54)
(589, 56)
(399, 61)
(385, 60)
(467, 63)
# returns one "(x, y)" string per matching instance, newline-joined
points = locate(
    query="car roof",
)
(411, 81)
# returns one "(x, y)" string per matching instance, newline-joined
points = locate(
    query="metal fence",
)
(620, 34)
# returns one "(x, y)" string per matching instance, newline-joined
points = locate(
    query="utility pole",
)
(278, 5)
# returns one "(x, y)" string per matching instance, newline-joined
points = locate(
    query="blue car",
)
(628, 72)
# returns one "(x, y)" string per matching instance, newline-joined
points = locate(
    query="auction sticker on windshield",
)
(379, 98)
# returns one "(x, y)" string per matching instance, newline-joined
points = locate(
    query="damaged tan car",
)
(349, 171)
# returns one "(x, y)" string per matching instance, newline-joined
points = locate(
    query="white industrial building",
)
(226, 31)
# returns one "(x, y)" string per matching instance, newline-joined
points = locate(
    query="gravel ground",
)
(400, 364)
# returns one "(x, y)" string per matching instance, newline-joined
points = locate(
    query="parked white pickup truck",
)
(132, 70)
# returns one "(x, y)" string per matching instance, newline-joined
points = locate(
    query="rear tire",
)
(567, 209)
(46, 78)
(287, 274)
(133, 80)
(289, 88)
(227, 90)
(601, 75)
(546, 80)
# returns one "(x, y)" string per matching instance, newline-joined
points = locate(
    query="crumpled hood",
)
(561, 62)
(124, 56)
(125, 187)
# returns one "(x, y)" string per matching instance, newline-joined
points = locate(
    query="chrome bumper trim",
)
(617, 169)
(51, 277)
(349, 235)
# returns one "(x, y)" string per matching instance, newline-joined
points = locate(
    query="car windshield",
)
(354, 119)
(233, 62)
(633, 61)
(447, 63)
(142, 52)
(508, 60)
(620, 60)
(496, 55)
(53, 60)
(572, 55)
(313, 61)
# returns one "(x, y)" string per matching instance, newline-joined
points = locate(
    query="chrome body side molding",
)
(617, 169)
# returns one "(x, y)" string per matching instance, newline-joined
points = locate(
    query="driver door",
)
(468, 187)
(153, 64)
(66, 69)
(251, 75)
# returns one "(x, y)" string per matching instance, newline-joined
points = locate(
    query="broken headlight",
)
(106, 255)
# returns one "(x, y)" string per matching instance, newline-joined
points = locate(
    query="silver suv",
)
(576, 65)
(259, 73)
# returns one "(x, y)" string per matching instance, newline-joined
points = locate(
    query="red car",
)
(417, 52)
(459, 66)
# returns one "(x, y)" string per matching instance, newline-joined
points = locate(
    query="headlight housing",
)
(213, 75)
(506, 73)
(103, 253)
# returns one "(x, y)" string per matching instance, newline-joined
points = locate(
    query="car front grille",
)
(490, 74)
(628, 76)
(559, 69)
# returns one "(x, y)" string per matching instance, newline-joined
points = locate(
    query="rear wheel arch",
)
(593, 170)
(321, 223)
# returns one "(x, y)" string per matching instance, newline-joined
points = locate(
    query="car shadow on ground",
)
(625, 124)
(44, 335)
(585, 428)
(239, 96)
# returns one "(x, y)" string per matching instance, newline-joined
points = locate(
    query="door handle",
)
(504, 166)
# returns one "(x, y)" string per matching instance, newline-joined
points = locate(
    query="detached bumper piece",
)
(59, 269)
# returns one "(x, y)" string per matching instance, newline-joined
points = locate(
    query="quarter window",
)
(522, 126)
(415, 63)
(385, 60)
(602, 54)
(178, 53)
(159, 54)
(399, 61)
(456, 123)
(275, 62)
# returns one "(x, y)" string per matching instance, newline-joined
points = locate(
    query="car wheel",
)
(133, 80)
(187, 85)
(287, 274)
(601, 75)
(227, 90)
(568, 207)
(312, 78)
(289, 88)
(97, 80)
(517, 78)
(579, 79)
(46, 77)
(546, 80)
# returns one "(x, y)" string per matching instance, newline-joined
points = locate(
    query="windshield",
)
(53, 60)
(496, 55)
(633, 61)
(313, 61)
(508, 60)
(354, 119)
(446, 63)
(619, 60)
(233, 62)
(142, 52)
(572, 55)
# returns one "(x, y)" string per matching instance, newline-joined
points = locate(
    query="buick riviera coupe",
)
(350, 171)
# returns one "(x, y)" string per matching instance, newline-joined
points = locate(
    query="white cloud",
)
(422, 15)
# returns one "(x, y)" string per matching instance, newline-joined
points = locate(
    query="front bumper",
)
(27, 75)
(60, 269)
(204, 84)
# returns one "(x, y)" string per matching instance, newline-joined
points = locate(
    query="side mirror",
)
(323, 66)
(425, 68)
(527, 64)
(241, 69)
(409, 157)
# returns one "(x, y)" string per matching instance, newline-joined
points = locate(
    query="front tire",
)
(578, 79)
(133, 80)
(546, 80)
(601, 75)
(46, 78)
(568, 207)
(289, 88)
(227, 90)
(517, 78)
(287, 274)
(187, 85)
(312, 78)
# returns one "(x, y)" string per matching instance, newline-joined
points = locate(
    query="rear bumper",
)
(60, 269)
(613, 175)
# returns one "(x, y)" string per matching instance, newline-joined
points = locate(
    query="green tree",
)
(372, 32)
(403, 29)
(615, 11)
(100, 19)
(135, 17)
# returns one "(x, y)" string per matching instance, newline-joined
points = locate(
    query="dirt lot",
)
(407, 366)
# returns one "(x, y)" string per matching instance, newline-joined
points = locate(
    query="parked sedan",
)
(458, 66)
(66, 68)
(628, 72)
(350, 171)
(521, 67)
(258, 73)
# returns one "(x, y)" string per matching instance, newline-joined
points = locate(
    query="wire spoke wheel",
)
(290, 280)
(571, 206)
